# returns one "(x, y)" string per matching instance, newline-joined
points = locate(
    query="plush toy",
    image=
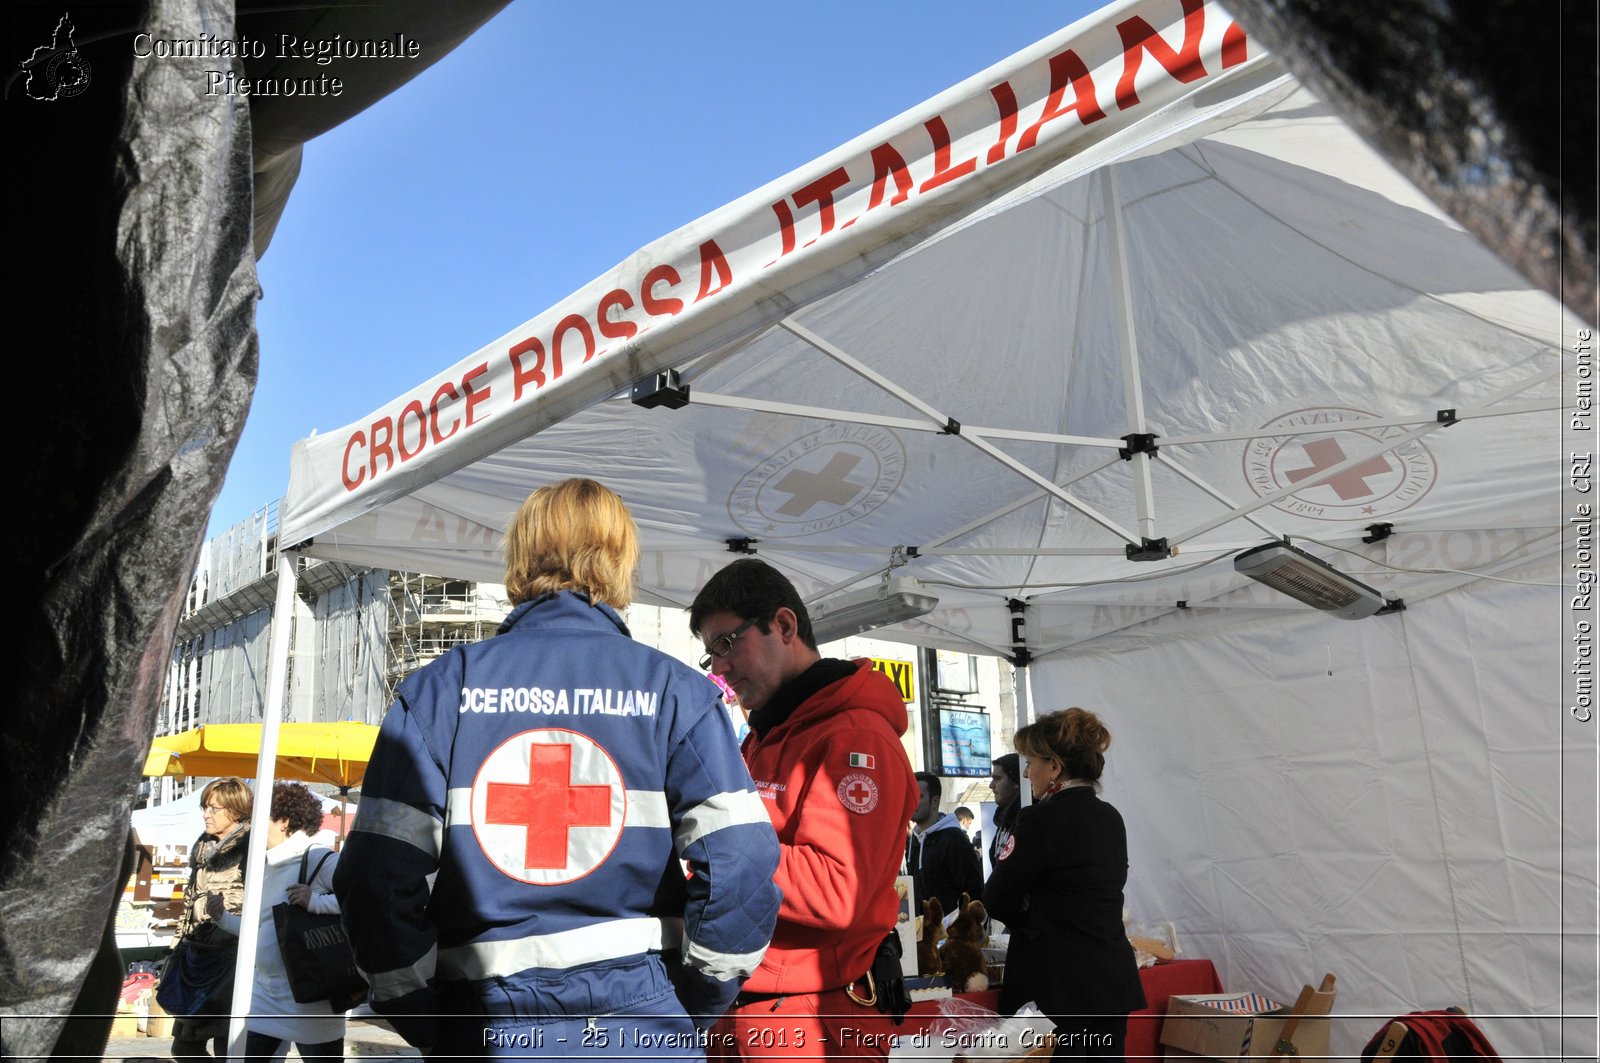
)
(928, 965)
(961, 955)
(1147, 952)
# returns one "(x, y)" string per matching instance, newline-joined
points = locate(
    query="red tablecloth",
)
(1144, 1027)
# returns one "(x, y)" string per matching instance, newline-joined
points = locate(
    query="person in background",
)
(939, 857)
(824, 750)
(967, 820)
(1005, 781)
(1057, 886)
(604, 866)
(317, 1030)
(216, 884)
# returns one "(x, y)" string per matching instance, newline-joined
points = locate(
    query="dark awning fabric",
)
(131, 203)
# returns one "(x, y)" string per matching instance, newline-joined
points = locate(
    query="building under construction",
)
(355, 633)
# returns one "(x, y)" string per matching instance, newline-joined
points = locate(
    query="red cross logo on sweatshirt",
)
(858, 793)
(548, 806)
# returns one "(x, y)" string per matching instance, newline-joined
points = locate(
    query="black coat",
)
(1059, 892)
(942, 863)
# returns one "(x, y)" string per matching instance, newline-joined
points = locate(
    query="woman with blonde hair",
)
(1057, 885)
(528, 812)
(572, 536)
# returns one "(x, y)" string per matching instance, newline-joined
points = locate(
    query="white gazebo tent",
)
(1059, 343)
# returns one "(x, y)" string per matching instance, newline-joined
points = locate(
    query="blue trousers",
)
(581, 1014)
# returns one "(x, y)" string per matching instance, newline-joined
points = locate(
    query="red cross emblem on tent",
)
(1352, 483)
(858, 793)
(548, 806)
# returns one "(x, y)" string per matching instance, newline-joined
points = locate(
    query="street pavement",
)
(362, 1040)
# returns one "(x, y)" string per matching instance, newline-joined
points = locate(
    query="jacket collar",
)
(947, 821)
(830, 686)
(796, 691)
(564, 609)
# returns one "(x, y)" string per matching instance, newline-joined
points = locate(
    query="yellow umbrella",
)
(333, 753)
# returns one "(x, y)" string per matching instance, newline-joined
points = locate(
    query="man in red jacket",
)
(824, 751)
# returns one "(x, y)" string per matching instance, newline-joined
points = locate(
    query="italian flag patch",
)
(862, 760)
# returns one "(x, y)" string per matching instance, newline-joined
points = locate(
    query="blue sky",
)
(554, 142)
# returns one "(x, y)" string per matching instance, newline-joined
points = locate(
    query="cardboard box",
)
(153, 1019)
(1198, 1025)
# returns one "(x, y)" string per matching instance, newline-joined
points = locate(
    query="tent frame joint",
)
(1377, 533)
(1138, 443)
(1148, 549)
(664, 389)
(1446, 417)
(741, 545)
(902, 555)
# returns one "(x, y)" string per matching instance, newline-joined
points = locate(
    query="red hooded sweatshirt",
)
(840, 790)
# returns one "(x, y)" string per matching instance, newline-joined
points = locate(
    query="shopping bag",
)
(316, 953)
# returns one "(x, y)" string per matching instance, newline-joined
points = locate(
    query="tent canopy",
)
(1059, 343)
(929, 346)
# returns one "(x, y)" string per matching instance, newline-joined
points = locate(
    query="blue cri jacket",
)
(595, 835)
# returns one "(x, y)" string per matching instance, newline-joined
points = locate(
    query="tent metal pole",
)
(889, 386)
(1022, 653)
(1128, 350)
(1220, 497)
(1364, 455)
(1019, 680)
(909, 424)
(266, 772)
(1462, 414)
(988, 518)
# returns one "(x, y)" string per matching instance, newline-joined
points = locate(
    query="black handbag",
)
(316, 952)
(197, 978)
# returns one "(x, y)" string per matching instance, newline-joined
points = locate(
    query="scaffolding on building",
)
(432, 615)
(355, 634)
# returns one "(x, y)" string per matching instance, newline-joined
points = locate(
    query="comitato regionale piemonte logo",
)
(57, 71)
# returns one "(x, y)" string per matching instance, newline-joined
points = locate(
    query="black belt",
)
(755, 998)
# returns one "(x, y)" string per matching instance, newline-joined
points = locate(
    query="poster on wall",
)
(964, 742)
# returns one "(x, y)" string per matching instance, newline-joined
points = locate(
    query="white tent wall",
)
(1381, 799)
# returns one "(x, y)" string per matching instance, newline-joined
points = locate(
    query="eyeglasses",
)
(723, 644)
(214, 808)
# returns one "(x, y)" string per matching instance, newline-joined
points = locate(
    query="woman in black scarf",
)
(1057, 885)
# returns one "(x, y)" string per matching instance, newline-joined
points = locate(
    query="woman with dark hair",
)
(1006, 782)
(216, 884)
(317, 1030)
(1057, 885)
